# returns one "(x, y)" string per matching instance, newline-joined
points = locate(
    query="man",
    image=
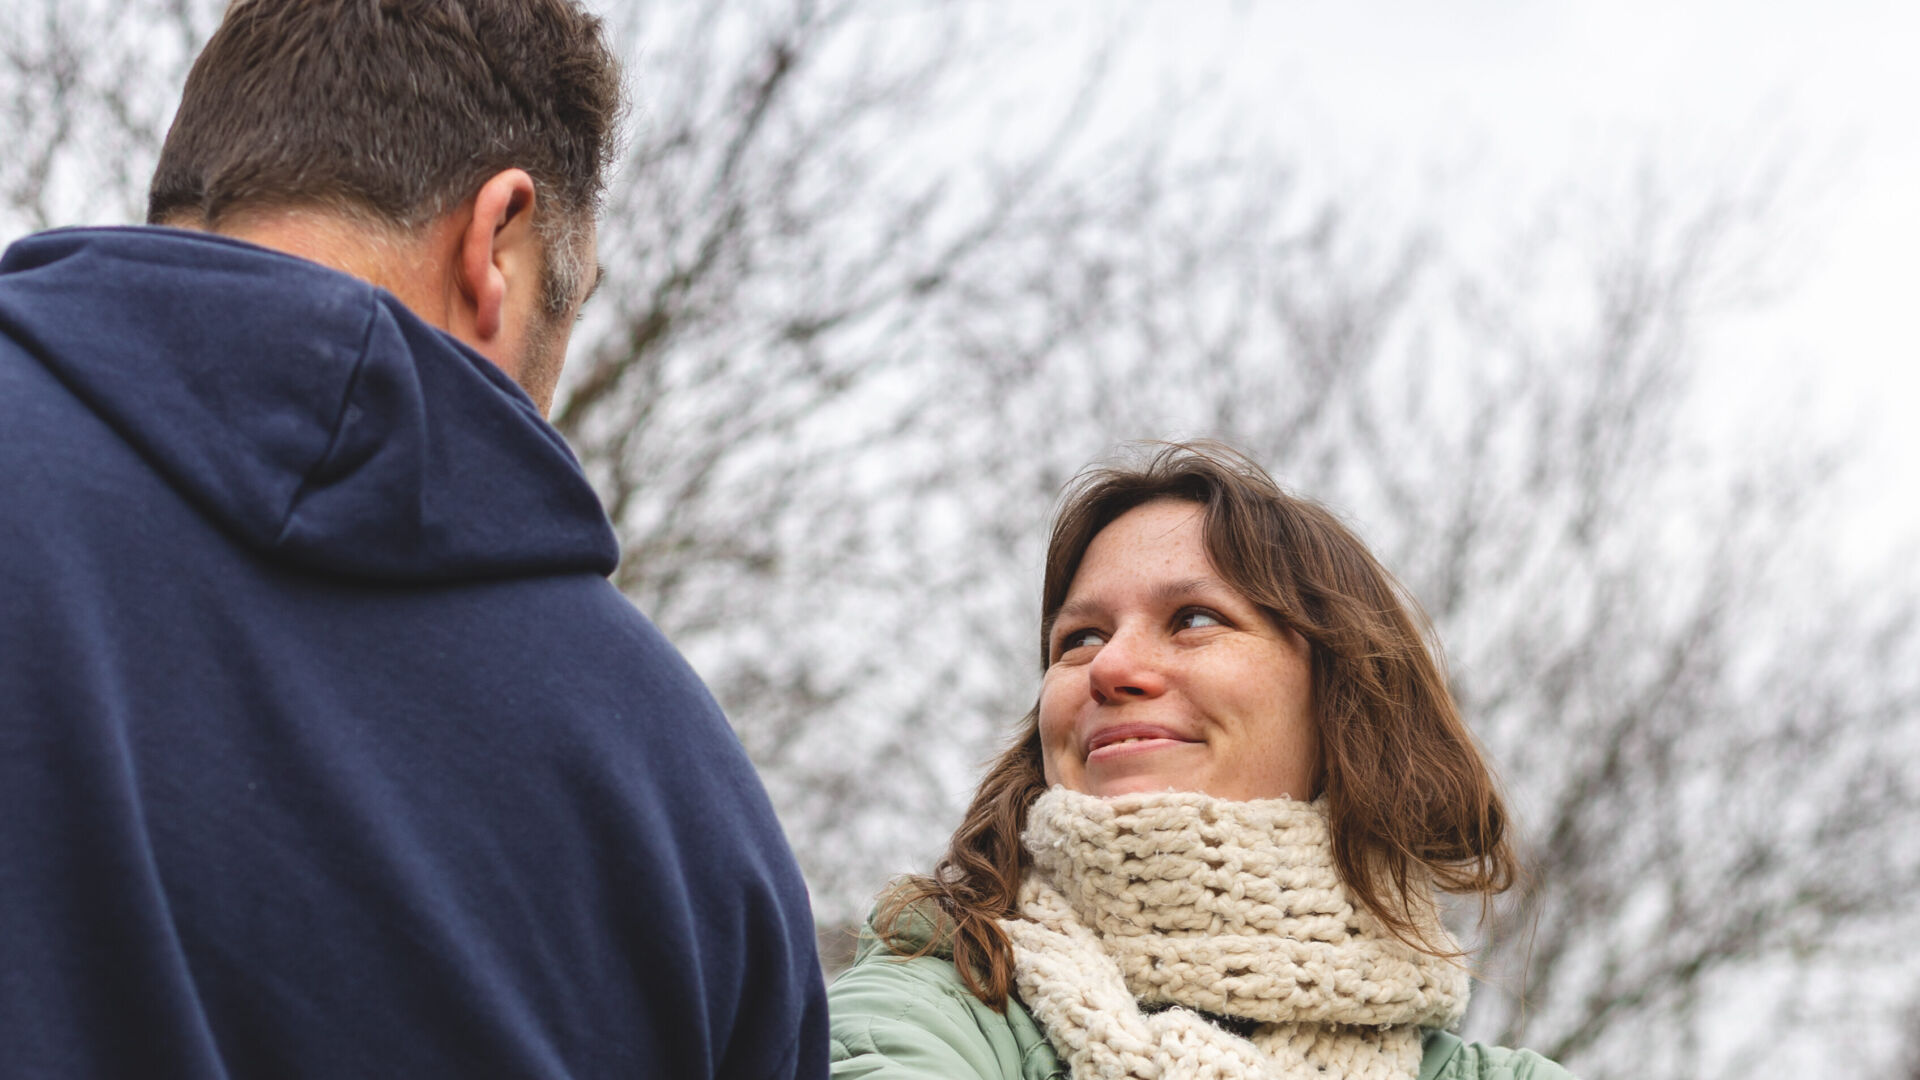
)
(326, 749)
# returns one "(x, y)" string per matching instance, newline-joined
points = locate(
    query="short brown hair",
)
(396, 110)
(1409, 797)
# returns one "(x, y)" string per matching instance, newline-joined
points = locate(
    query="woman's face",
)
(1164, 677)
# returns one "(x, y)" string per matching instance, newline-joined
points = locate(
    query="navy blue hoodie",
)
(326, 748)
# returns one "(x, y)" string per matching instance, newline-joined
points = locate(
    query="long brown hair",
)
(1408, 795)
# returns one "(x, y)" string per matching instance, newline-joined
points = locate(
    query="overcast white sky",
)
(1530, 91)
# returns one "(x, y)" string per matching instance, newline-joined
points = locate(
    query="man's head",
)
(396, 119)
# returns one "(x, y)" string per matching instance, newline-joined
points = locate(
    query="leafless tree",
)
(1707, 747)
(868, 309)
(88, 89)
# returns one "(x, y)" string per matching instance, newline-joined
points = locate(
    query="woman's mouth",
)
(1130, 739)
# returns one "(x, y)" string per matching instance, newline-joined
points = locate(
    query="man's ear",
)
(498, 248)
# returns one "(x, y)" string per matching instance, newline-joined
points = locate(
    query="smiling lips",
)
(1125, 739)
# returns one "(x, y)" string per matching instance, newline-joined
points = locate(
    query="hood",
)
(313, 416)
(919, 927)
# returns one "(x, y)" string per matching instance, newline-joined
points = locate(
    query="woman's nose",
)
(1125, 668)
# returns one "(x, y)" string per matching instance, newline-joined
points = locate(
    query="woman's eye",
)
(1079, 638)
(1194, 617)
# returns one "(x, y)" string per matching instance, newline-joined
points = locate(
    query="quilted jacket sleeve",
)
(895, 1019)
(1447, 1058)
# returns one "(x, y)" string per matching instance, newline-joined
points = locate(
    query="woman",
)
(1212, 850)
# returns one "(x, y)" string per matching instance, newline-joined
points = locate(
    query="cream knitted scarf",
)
(1232, 909)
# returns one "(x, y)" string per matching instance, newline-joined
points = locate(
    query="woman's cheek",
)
(1056, 725)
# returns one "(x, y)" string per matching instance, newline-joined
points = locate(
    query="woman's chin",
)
(1137, 784)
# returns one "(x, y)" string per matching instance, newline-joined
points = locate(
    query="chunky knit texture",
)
(1144, 912)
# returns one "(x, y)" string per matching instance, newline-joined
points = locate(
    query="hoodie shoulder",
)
(311, 415)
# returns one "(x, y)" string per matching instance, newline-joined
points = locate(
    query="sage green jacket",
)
(895, 1019)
